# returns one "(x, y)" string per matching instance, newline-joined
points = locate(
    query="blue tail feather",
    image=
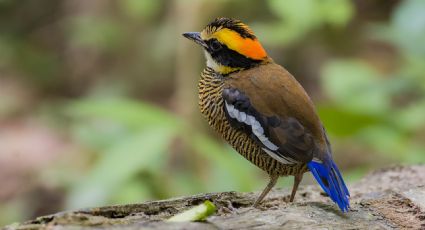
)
(328, 176)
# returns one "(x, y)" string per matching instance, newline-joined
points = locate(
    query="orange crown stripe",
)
(245, 46)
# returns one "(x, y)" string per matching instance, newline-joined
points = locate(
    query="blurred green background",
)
(98, 99)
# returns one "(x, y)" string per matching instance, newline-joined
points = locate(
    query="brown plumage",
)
(262, 111)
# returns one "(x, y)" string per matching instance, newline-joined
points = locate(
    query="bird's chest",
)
(210, 100)
(211, 104)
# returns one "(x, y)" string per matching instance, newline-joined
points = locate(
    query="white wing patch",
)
(315, 159)
(281, 159)
(251, 121)
(258, 132)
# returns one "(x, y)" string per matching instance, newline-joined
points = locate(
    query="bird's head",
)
(229, 45)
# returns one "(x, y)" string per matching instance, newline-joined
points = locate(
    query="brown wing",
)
(275, 110)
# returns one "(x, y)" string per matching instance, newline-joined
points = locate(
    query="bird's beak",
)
(196, 37)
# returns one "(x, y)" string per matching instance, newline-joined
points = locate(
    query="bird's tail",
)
(328, 176)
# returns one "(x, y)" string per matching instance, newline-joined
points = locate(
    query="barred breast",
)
(211, 105)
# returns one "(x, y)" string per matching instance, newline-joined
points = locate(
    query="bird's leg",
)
(270, 185)
(297, 180)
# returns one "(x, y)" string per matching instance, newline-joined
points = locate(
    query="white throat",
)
(211, 62)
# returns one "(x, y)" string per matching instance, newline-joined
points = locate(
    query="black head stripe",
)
(231, 58)
(232, 24)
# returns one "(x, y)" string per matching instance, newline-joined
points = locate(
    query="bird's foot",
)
(287, 199)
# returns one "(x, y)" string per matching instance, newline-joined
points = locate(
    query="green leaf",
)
(123, 160)
(95, 32)
(131, 113)
(409, 19)
(298, 17)
(410, 118)
(386, 140)
(336, 12)
(144, 9)
(300, 12)
(225, 162)
(345, 123)
(197, 213)
(406, 30)
(101, 122)
(132, 192)
(355, 86)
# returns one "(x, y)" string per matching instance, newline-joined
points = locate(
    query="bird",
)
(262, 111)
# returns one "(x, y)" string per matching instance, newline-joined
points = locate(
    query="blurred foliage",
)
(132, 141)
(102, 75)
(118, 130)
(383, 110)
(298, 17)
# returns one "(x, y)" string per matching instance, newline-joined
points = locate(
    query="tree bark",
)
(391, 198)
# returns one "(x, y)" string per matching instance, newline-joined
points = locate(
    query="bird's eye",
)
(215, 45)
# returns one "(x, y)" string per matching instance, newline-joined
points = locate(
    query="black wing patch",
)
(284, 139)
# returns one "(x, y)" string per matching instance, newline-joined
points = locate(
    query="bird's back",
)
(275, 92)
